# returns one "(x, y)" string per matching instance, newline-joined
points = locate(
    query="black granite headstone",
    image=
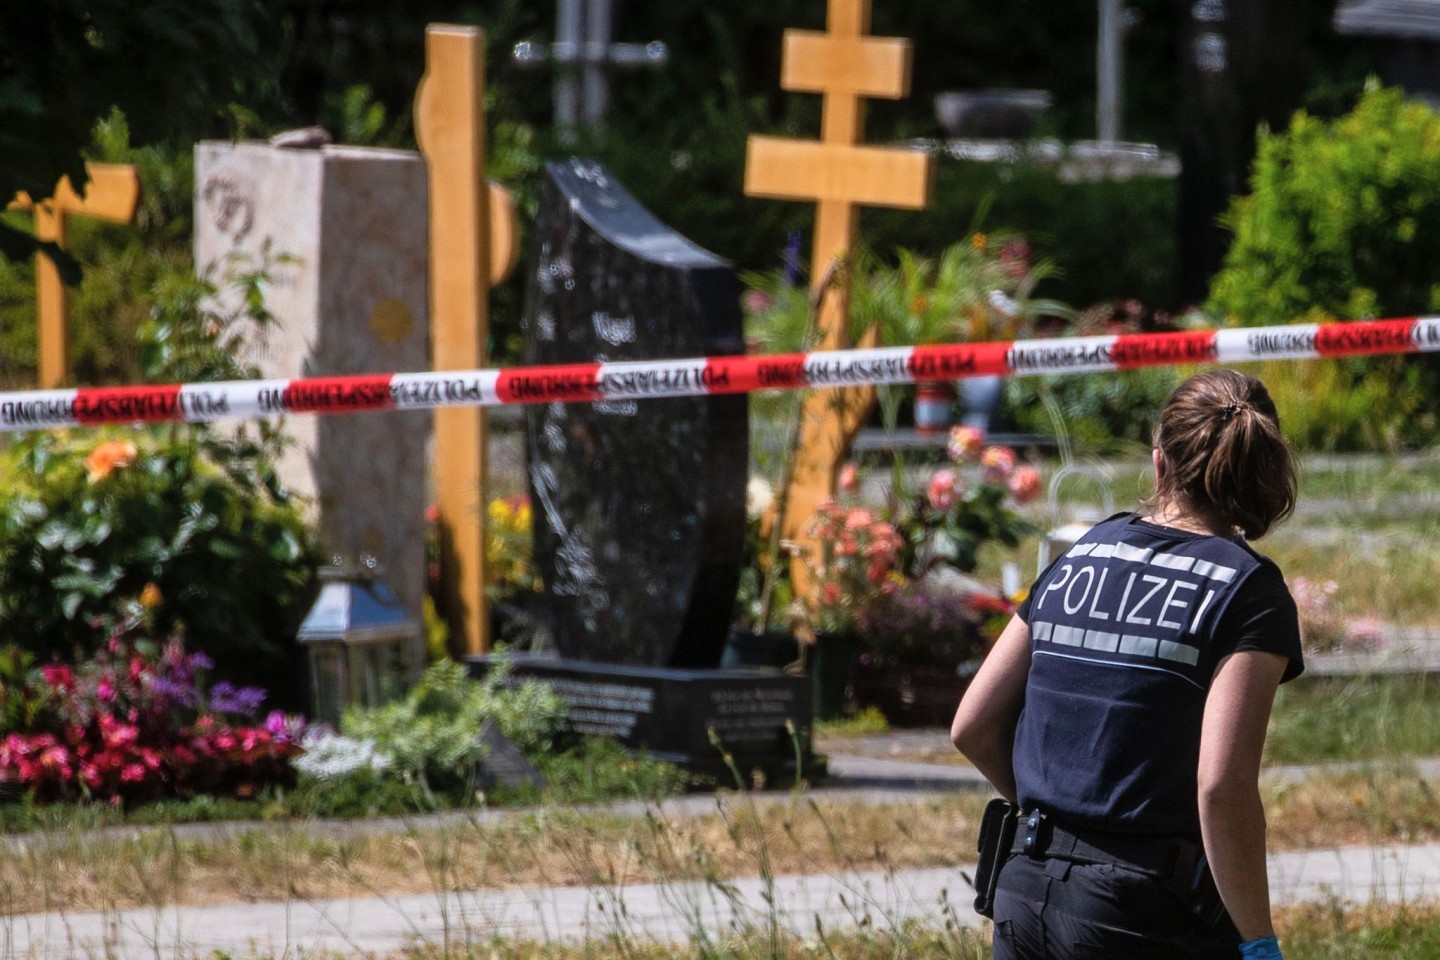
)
(639, 505)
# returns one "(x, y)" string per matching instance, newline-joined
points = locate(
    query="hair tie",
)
(1229, 412)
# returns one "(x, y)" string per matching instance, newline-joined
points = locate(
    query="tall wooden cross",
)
(473, 245)
(112, 193)
(845, 65)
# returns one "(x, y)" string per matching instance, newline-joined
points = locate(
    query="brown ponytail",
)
(1224, 453)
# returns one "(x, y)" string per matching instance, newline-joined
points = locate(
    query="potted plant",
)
(978, 289)
(852, 562)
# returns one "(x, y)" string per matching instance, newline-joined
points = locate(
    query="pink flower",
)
(830, 594)
(756, 301)
(940, 491)
(132, 773)
(996, 463)
(1024, 484)
(58, 675)
(849, 479)
(105, 691)
(965, 443)
(857, 519)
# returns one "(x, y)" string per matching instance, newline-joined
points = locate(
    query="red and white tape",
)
(87, 406)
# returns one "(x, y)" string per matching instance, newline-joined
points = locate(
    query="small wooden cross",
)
(839, 174)
(473, 244)
(112, 194)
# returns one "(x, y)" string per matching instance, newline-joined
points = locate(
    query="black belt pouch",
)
(997, 833)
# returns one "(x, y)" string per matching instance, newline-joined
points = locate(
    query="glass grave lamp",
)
(360, 644)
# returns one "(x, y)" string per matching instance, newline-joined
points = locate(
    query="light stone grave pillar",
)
(352, 300)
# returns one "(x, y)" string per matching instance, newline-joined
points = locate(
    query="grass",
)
(1319, 719)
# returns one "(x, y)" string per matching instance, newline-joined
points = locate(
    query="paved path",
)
(670, 912)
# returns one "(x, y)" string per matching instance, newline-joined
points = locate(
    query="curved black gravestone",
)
(639, 505)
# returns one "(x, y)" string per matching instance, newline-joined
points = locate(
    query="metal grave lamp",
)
(360, 644)
(1062, 535)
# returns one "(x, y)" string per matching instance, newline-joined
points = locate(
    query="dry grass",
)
(79, 871)
(753, 837)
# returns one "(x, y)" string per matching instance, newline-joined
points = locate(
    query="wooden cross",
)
(845, 66)
(473, 244)
(112, 194)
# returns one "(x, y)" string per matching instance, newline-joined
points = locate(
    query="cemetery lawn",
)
(77, 867)
(1322, 719)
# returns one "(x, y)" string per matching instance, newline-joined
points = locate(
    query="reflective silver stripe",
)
(1080, 550)
(1173, 561)
(1070, 636)
(1103, 550)
(1100, 640)
(1124, 551)
(1214, 571)
(1179, 652)
(1041, 629)
(1138, 646)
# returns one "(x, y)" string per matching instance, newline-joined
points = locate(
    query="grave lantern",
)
(360, 644)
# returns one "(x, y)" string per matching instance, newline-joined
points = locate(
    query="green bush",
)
(187, 519)
(432, 735)
(189, 524)
(1343, 218)
(1343, 221)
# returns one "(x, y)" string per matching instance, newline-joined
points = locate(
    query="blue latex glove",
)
(1266, 948)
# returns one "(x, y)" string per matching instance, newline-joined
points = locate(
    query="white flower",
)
(759, 496)
(329, 755)
(1003, 303)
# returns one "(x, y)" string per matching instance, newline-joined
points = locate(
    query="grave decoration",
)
(840, 174)
(473, 233)
(639, 506)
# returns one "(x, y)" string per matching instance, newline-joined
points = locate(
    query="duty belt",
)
(1176, 863)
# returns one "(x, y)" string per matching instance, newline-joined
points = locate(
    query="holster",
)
(997, 832)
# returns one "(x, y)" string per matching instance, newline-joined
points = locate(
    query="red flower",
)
(58, 675)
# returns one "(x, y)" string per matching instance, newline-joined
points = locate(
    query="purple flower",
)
(284, 727)
(225, 697)
(176, 692)
(199, 661)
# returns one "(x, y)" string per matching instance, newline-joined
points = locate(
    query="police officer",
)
(1124, 708)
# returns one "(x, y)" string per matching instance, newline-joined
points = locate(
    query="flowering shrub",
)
(135, 723)
(922, 622)
(852, 558)
(191, 524)
(961, 508)
(509, 566)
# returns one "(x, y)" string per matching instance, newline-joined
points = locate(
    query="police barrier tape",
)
(578, 382)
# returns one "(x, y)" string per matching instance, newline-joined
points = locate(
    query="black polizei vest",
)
(1123, 632)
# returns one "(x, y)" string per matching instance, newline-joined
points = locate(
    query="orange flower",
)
(109, 456)
(1024, 484)
(150, 596)
(979, 241)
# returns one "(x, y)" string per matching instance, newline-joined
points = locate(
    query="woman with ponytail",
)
(1124, 708)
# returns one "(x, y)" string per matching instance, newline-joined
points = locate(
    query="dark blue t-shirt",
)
(1126, 630)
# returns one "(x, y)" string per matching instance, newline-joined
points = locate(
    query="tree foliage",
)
(173, 66)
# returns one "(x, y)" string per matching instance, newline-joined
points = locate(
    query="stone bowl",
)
(990, 114)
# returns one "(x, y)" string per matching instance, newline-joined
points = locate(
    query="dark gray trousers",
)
(1055, 910)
